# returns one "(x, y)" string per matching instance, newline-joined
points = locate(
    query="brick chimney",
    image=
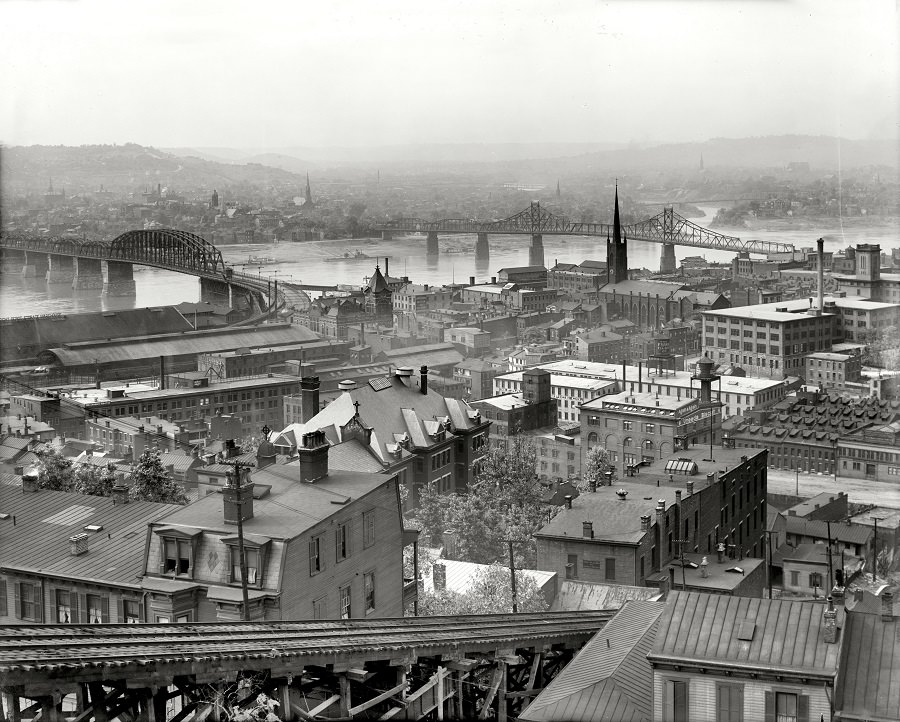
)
(313, 454)
(78, 544)
(231, 449)
(309, 392)
(30, 481)
(237, 498)
(690, 487)
(645, 522)
(119, 494)
(423, 381)
(587, 529)
(830, 622)
(887, 606)
(568, 498)
(661, 512)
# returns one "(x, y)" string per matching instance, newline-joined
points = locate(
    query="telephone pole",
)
(512, 574)
(236, 479)
(681, 543)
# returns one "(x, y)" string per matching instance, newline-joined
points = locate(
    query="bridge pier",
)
(215, 292)
(60, 269)
(667, 262)
(11, 260)
(387, 235)
(119, 279)
(482, 249)
(36, 264)
(88, 274)
(432, 248)
(536, 252)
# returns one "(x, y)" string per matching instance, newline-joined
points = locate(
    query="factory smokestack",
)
(820, 247)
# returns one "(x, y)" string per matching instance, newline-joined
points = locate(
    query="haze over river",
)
(295, 262)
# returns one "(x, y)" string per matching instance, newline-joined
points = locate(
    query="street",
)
(861, 491)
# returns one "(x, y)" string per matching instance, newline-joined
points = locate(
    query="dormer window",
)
(177, 548)
(256, 551)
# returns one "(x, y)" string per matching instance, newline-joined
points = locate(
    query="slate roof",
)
(608, 679)
(39, 542)
(787, 636)
(868, 684)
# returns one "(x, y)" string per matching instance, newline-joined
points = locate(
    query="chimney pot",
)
(690, 487)
(568, 498)
(78, 544)
(830, 622)
(645, 522)
(678, 496)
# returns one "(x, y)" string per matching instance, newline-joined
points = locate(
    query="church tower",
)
(616, 249)
(214, 201)
(308, 194)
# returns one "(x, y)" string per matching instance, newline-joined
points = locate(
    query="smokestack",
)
(309, 392)
(423, 383)
(162, 373)
(471, 280)
(387, 267)
(820, 247)
(640, 373)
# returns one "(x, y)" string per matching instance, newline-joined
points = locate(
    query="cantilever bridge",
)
(666, 227)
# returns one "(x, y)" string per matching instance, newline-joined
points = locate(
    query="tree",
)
(489, 593)
(151, 482)
(883, 348)
(504, 502)
(54, 471)
(95, 481)
(596, 465)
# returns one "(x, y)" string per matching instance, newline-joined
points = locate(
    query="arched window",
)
(648, 444)
(592, 439)
(626, 441)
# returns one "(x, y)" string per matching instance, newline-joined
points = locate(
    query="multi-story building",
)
(415, 298)
(478, 376)
(871, 452)
(223, 365)
(73, 558)
(530, 276)
(834, 371)
(572, 278)
(411, 430)
(639, 428)
(469, 340)
(601, 346)
(128, 437)
(738, 394)
(630, 532)
(512, 414)
(341, 558)
(868, 281)
(858, 318)
(770, 342)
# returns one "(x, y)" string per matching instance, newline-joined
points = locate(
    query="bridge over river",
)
(666, 227)
(469, 667)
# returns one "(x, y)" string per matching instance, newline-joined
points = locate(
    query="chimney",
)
(640, 375)
(162, 373)
(231, 449)
(830, 622)
(30, 482)
(690, 487)
(587, 529)
(592, 483)
(237, 497)
(887, 606)
(18, 470)
(439, 576)
(387, 266)
(493, 280)
(423, 381)
(78, 544)
(645, 522)
(346, 385)
(820, 247)
(471, 280)
(313, 456)
(678, 496)
(664, 587)
(660, 513)
(309, 392)
(119, 494)
(568, 498)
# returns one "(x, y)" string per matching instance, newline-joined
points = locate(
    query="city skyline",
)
(226, 74)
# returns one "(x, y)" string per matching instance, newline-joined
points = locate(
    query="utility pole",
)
(769, 533)
(512, 574)
(681, 543)
(830, 570)
(876, 519)
(239, 495)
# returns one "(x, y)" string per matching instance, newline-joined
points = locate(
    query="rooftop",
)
(639, 403)
(574, 595)
(867, 685)
(716, 631)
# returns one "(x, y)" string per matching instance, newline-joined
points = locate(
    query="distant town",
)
(675, 490)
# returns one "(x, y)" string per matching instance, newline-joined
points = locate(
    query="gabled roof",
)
(574, 595)
(705, 630)
(852, 533)
(609, 679)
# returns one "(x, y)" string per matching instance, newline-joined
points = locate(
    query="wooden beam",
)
(526, 693)
(376, 700)
(440, 694)
(300, 712)
(492, 692)
(318, 709)
(535, 669)
(392, 713)
(11, 702)
(345, 695)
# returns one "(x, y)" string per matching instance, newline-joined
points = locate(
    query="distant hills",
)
(133, 167)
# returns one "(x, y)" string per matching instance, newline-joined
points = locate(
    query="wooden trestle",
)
(463, 667)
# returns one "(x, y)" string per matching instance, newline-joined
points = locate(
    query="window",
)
(815, 580)
(319, 608)
(675, 700)
(64, 608)
(131, 611)
(369, 528)
(610, 569)
(97, 609)
(729, 703)
(626, 425)
(786, 707)
(29, 604)
(627, 441)
(345, 602)
(651, 428)
(316, 562)
(251, 557)
(572, 566)
(369, 586)
(177, 555)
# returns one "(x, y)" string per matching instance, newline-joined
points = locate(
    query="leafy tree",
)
(883, 348)
(94, 480)
(55, 471)
(151, 482)
(490, 593)
(503, 503)
(596, 465)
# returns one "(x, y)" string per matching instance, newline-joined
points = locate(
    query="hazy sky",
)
(366, 72)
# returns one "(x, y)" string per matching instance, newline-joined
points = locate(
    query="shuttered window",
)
(28, 601)
(4, 610)
(675, 700)
(786, 707)
(729, 703)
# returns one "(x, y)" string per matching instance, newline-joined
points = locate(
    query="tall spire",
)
(308, 195)
(617, 228)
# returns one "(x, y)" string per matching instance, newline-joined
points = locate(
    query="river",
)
(295, 262)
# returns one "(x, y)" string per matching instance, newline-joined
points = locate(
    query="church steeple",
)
(308, 194)
(617, 248)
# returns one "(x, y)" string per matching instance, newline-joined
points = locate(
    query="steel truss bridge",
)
(665, 227)
(471, 667)
(162, 248)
